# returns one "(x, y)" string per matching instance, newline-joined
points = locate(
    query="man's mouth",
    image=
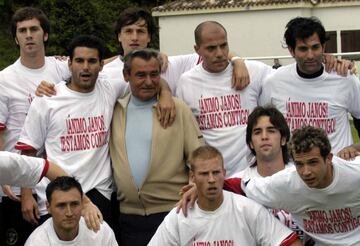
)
(85, 76)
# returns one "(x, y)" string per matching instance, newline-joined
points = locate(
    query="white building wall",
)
(251, 33)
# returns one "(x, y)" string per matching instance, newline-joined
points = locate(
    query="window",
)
(331, 44)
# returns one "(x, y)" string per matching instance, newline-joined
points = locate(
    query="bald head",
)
(209, 26)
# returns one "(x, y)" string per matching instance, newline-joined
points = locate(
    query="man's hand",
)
(45, 88)
(10, 194)
(165, 62)
(166, 111)
(240, 78)
(341, 66)
(61, 58)
(348, 153)
(189, 195)
(29, 207)
(91, 214)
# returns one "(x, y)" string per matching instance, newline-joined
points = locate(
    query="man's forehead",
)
(28, 22)
(138, 62)
(82, 50)
(140, 23)
(59, 196)
(206, 164)
(313, 153)
(311, 40)
(263, 120)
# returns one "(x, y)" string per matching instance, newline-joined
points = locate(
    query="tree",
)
(69, 18)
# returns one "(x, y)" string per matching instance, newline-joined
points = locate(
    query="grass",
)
(354, 132)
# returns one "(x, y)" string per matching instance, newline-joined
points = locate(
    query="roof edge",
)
(274, 6)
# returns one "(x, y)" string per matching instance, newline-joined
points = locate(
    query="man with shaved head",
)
(220, 110)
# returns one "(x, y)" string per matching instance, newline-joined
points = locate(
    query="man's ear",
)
(119, 37)
(46, 37)
(291, 50)
(101, 64)
(251, 145)
(328, 158)
(192, 176)
(196, 48)
(16, 41)
(126, 76)
(48, 207)
(283, 141)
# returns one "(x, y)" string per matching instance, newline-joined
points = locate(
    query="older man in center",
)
(149, 161)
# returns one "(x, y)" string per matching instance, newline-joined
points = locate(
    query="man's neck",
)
(64, 235)
(269, 167)
(33, 61)
(207, 205)
(309, 76)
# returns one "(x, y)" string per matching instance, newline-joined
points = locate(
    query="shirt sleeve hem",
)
(289, 240)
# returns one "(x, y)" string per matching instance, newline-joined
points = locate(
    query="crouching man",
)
(220, 217)
(66, 227)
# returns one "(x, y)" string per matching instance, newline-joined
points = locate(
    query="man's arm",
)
(166, 111)
(7, 188)
(341, 66)
(350, 152)
(240, 78)
(29, 207)
(266, 228)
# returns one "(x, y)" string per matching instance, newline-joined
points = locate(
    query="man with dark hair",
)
(66, 227)
(30, 29)
(149, 162)
(28, 13)
(275, 122)
(73, 126)
(308, 95)
(135, 28)
(267, 135)
(319, 194)
(130, 37)
(221, 111)
(220, 217)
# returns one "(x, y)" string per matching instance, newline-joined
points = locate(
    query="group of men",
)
(124, 111)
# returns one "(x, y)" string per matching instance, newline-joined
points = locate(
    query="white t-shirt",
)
(177, 65)
(74, 128)
(238, 221)
(21, 170)
(45, 235)
(17, 90)
(285, 217)
(113, 70)
(252, 172)
(222, 112)
(321, 102)
(330, 216)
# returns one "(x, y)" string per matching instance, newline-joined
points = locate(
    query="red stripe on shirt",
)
(45, 170)
(289, 240)
(199, 60)
(23, 146)
(2, 126)
(233, 185)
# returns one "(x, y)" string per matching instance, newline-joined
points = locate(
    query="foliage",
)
(69, 18)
